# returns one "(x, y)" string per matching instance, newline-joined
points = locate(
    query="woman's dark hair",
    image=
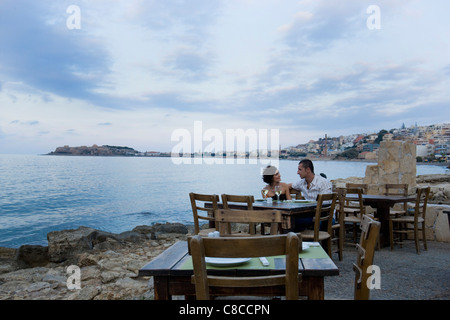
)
(268, 174)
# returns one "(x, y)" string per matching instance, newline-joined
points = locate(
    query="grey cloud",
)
(47, 56)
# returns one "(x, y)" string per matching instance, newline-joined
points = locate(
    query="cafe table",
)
(172, 271)
(290, 209)
(382, 204)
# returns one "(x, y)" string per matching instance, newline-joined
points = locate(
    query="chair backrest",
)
(209, 212)
(226, 216)
(295, 194)
(370, 230)
(363, 186)
(228, 199)
(420, 209)
(248, 247)
(397, 189)
(340, 204)
(324, 212)
(353, 204)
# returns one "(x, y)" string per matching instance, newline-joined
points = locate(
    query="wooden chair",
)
(226, 216)
(296, 194)
(363, 186)
(338, 228)
(324, 213)
(354, 210)
(229, 199)
(214, 199)
(248, 247)
(397, 189)
(370, 230)
(420, 210)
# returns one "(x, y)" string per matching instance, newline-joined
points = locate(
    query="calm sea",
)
(39, 194)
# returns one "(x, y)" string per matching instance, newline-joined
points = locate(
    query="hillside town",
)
(432, 144)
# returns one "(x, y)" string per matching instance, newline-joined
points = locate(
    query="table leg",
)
(161, 288)
(382, 214)
(315, 287)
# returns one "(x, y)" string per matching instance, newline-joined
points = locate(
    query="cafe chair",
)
(397, 189)
(363, 186)
(370, 230)
(354, 210)
(209, 212)
(324, 214)
(248, 247)
(226, 216)
(407, 224)
(229, 199)
(338, 228)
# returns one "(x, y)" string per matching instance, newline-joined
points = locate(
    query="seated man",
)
(310, 185)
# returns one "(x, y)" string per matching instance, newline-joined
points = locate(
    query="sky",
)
(133, 72)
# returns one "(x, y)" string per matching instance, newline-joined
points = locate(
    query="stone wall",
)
(396, 164)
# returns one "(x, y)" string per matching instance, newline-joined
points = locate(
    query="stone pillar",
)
(396, 164)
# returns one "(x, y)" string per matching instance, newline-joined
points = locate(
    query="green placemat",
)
(255, 264)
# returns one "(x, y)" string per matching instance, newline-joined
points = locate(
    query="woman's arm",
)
(286, 190)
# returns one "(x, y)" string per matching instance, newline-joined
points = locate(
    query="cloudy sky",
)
(131, 72)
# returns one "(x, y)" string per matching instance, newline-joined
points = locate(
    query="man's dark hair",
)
(306, 163)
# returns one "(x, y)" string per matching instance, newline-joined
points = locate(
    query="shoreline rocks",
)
(108, 264)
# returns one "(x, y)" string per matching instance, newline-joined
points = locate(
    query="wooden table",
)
(382, 204)
(171, 277)
(289, 209)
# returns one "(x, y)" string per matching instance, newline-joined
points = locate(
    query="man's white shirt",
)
(319, 185)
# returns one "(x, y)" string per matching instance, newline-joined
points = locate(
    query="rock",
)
(37, 286)
(148, 231)
(99, 236)
(33, 255)
(7, 253)
(131, 236)
(87, 293)
(87, 259)
(63, 244)
(108, 244)
(433, 178)
(171, 228)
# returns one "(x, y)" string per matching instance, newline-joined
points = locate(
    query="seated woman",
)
(272, 177)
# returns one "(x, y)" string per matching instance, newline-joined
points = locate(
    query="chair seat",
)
(407, 219)
(351, 211)
(353, 219)
(397, 212)
(309, 234)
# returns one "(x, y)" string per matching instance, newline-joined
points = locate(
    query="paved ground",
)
(405, 275)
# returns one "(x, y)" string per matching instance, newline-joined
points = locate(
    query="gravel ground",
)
(405, 275)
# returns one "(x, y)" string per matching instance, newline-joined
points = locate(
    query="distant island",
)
(104, 151)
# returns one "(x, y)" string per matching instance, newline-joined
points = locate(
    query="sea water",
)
(39, 194)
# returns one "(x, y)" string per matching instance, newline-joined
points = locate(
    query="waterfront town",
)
(432, 145)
